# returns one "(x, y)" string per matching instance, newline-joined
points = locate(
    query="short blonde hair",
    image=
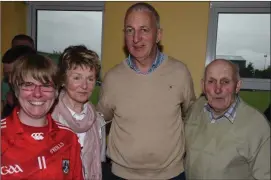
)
(41, 68)
(75, 56)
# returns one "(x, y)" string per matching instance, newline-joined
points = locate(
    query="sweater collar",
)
(158, 60)
(230, 114)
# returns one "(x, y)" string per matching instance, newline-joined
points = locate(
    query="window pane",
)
(57, 30)
(245, 40)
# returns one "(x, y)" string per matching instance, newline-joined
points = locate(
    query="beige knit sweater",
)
(226, 150)
(146, 139)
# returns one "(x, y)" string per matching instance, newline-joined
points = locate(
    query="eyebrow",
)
(41, 83)
(223, 78)
(93, 75)
(129, 26)
(210, 78)
(75, 73)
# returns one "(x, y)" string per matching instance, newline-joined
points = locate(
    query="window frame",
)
(33, 8)
(228, 7)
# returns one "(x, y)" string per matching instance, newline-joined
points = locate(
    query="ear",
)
(202, 86)
(16, 92)
(56, 94)
(159, 35)
(238, 86)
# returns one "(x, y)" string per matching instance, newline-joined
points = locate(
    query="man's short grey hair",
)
(235, 68)
(144, 6)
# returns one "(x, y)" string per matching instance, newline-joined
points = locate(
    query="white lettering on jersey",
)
(11, 169)
(42, 162)
(56, 148)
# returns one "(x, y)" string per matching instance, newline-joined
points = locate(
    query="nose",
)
(218, 89)
(84, 84)
(136, 37)
(37, 91)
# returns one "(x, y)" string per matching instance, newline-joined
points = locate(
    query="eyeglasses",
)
(131, 31)
(29, 86)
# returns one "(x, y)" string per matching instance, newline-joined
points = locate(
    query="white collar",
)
(81, 114)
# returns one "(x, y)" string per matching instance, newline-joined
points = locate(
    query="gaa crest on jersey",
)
(65, 166)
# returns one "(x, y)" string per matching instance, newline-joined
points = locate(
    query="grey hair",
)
(235, 68)
(144, 6)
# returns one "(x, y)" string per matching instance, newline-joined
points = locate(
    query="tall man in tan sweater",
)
(146, 96)
(225, 137)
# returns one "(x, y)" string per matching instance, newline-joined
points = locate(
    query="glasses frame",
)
(29, 86)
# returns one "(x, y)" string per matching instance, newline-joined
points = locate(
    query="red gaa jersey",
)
(47, 155)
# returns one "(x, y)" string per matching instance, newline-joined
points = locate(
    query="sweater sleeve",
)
(104, 105)
(188, 93)
(260, 162)
(259, 150)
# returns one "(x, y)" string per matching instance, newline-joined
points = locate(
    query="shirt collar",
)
(230, 114)
(18, 129)
(82, 113)
(158, 59)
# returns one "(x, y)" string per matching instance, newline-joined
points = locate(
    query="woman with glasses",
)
(33, 145)
(79, 69)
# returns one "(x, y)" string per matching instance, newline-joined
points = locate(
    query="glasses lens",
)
(28, 86)
(47, 88)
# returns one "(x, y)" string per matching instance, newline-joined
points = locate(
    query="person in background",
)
(79, 68)
(8, 99)
(225, 137)
(22, 39)
(33, 145)
(146, 96)
(6, 94)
